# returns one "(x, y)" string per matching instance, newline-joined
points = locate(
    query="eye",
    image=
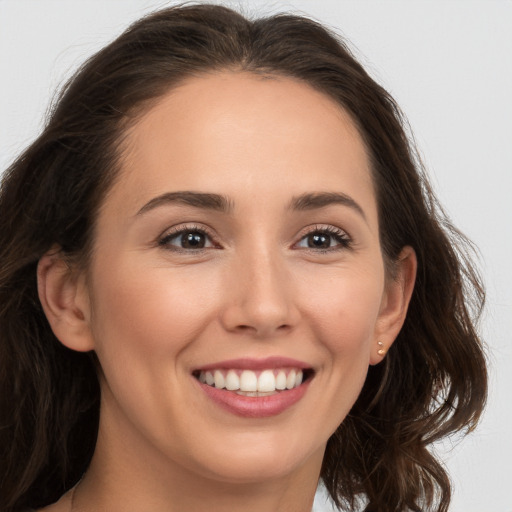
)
(325, 238)
(188, 239)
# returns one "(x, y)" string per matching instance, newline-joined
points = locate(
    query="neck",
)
(121, 477)
(109, 490)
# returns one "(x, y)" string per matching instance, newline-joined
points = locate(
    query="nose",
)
(259, 298)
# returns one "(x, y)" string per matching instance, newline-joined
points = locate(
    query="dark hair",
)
(432, 383)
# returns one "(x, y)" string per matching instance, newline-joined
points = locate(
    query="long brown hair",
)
(432, 382)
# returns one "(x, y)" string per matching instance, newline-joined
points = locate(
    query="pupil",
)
(193, 240)
(322, 241)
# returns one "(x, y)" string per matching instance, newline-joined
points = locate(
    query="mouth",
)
(254, 383)
(254, 388)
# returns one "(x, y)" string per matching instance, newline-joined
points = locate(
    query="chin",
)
(261, 460)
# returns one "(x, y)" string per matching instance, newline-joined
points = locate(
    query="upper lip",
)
(246, 363)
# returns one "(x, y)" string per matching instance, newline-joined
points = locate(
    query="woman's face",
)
(240, 244)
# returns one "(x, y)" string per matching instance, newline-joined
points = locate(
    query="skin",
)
(154, 312)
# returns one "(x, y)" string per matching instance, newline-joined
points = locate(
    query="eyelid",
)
(345, 240)
(179, 229)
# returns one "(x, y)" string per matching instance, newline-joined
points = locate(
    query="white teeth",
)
(267, 381)
(219, 379)
(290, 380)
(232, 381)
(281, 380)
(248, 381)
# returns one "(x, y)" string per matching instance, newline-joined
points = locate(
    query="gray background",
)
(448, 64)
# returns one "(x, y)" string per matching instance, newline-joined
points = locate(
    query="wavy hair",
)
(432, 382)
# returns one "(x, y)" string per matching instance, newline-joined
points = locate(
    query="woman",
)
(224, 277)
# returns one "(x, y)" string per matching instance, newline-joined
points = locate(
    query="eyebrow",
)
(316, 200)
(206, 201)
(220, 203)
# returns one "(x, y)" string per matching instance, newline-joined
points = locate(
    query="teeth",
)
(290, 380)
(249, 383)
(219, 379)
(281, 380)
(267, 381)
(256, 393)
(232, 381)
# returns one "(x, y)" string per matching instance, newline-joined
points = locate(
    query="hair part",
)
(432, 382)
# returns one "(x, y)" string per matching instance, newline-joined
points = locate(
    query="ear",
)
(395, 302)
(64, 297)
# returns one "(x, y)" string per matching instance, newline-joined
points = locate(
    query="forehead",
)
(226, 131)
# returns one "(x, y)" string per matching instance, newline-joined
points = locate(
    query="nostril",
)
(259, 312)
(245, 327)
(262, 330)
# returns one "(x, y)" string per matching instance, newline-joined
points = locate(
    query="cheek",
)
(344, 311)
(147, 313)
(143, 321)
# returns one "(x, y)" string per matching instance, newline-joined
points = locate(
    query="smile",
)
(255, 388)
(253, 383)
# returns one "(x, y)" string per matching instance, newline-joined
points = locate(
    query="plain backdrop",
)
(448, 63)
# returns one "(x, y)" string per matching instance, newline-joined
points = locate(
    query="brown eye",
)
(193, 240)
(187, 239)
(319, 241)
(325, 239)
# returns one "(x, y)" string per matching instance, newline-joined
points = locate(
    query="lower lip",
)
(255, 406)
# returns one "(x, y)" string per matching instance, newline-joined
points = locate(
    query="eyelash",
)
(341, 238)
(182, 230)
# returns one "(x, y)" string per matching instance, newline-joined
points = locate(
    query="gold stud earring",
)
(381, 350)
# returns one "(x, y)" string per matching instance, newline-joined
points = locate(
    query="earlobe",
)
(63, 295)
(395, 303)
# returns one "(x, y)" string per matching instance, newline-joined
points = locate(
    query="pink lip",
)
(255, 407)
(267, 363)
